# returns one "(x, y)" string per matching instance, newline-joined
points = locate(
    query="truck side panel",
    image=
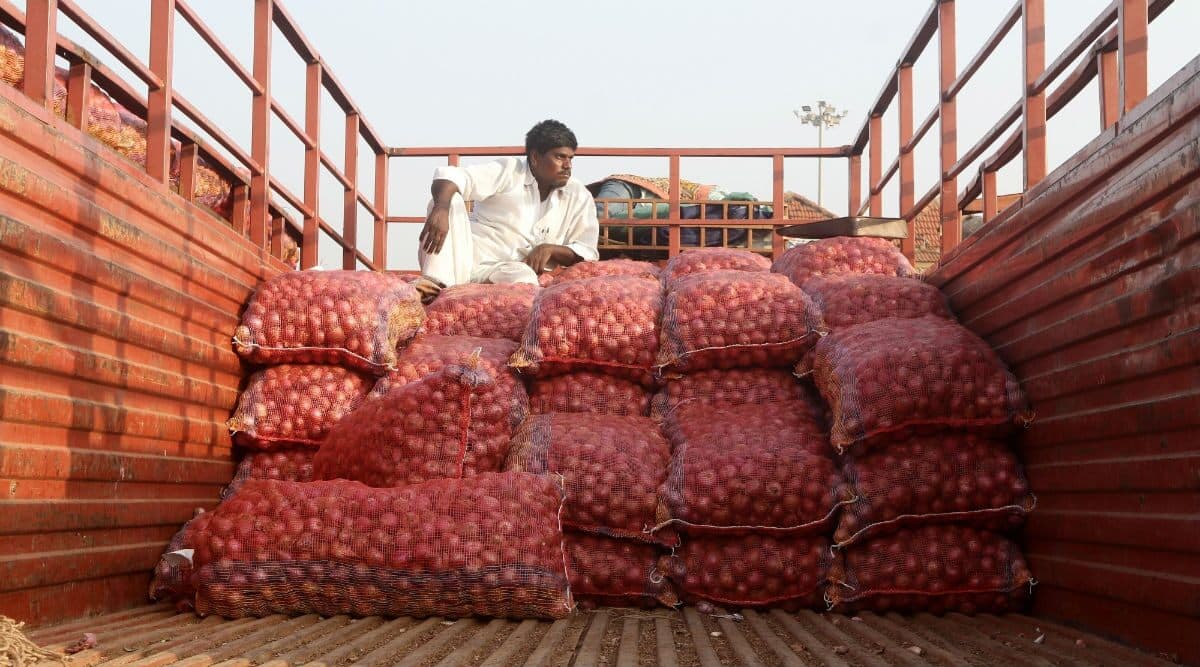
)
(117, 303)
(1090, 289)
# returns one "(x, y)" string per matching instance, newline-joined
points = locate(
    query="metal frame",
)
(1113, 47)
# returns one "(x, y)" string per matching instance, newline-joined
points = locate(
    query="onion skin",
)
(849, 299)
(608, 267)
(489, 545)
(751, 570)
(591, 392)
(703, 260)
(350, 318)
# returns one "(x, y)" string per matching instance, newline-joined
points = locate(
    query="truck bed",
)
(157, 635)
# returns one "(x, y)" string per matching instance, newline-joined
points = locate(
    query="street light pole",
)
(826, 115)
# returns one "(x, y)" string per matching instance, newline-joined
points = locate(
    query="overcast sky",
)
(622, 73)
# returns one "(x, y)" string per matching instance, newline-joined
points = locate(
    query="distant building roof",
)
(798, 207)
(927, 244)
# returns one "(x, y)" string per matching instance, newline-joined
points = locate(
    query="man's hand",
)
(542, 255)
(437, 225)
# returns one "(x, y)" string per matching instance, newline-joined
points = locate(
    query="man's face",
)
(553, 167)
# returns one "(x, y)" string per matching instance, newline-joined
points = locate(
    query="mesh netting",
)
(430, 353)
(840, 255)
(483, 310)
(936, 569)
(609, 267)
(352, 318)
(171, 580)
(850, 299)
(608, 323)
(702, 260)
(612, 467)
(885, 377)
(736, 470)
(585, 391)
(730, 388)
(952, 476)
(731, 319)
(615, 572)
(751, 570)
(490, 545)
(454, 423)
(295, 404)
(286, 465)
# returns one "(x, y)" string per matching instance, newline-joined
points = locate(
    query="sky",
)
(620, 74)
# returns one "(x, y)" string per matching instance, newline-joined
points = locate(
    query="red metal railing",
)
(250, 174)
(1115, 44)
(1112, 47)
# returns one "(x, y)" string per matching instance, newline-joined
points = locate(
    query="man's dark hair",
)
(548, 135)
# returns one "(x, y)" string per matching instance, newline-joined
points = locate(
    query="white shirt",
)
(509, 217)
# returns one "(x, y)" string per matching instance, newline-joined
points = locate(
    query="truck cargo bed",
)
(158, 636)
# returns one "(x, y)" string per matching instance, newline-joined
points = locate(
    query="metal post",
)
(948, 118)
(673, 240)
(309, 246)
(777, 242)
(379, 252)
(1110, 88)
(904, 81)
(1132, 42)
(158, 105)
(260, 137)
(1033, 126)
(854, 201)
(41, 35)
(875, 167)
(350, 196)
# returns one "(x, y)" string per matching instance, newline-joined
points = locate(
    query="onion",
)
(486, 311)
(353, 318)
(608, 267)
(420, 567)
(842, 255)
(951, 476)
(752, 570)
(849, 299)
(732, 319)
(934, 569)
(734, 387)
(703, 260)
(612, 467)
(884, 378)
(288, 465)
(295, 404)
(586, 391)
(611, 571)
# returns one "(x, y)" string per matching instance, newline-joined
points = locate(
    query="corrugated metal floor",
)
(157, 636)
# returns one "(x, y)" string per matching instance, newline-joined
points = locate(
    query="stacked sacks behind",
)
(704, 260)
(842, 255)
(608, 267)
(295, 404)
(485, 311)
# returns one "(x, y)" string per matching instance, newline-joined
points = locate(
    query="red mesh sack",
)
(285, 465)
(429, 354)
(935, 569)
(454, 423)
(608, 323)
(171, 580)
(295, 404)
(950, 476)
(731, 319)
(751, 570)
(585, 391)
(885, 377)
(841, 255)
(490, 545)
(730, 388)
(611, 466)
(737, 470)
(703, 260)
(847, 300)
(609, 267)
(486, 311)
(352, 318)
(615, 572)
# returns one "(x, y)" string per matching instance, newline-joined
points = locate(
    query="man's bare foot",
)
(428, 287)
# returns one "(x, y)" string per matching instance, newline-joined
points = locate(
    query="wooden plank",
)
(1056, 647)
(950, 628)
(809, 641)
(436, 643)
(301, 629)
(541, 653)
(362, 643)
(590, 651)
(737, 642)
(123, 627)
(837, 634)
(627, 650)
(1151, 589)
(704, 650)
(512, 644)
(664, 643)
(945, 652)
(183, 627)
(466, 653)
(218, 649)
(321, 639)
(893, 649)
(1118, 653)
(786, 656)
(47, 633)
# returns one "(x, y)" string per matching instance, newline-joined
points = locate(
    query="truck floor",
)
(158, 636)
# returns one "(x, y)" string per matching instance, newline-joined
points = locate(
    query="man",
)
(529, 216)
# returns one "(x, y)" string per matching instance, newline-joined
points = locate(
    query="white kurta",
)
(507, 221)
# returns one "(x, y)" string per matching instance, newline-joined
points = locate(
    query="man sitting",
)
(529, 216)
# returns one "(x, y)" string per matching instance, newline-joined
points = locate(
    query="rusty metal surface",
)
(1090, 289)
(155, 636)
(117, 302)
